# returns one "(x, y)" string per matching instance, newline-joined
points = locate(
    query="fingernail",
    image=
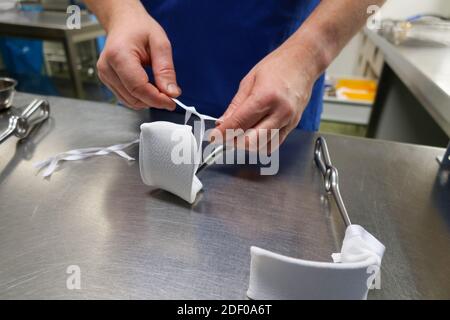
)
(218, 121)
(173, 89)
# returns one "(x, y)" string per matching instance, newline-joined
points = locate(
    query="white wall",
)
(345, 63)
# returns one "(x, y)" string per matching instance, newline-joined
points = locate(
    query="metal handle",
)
(330, 175)
(210, 158)
(10, 130)
(35, 113)
(21, 125)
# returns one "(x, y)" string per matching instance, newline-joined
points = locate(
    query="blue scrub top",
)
(216, 43)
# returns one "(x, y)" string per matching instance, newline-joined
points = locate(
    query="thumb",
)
(244, 91)
(163, 67)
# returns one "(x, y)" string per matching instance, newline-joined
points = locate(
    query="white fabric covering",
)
(158, 143)
(274, 276)
(158, 169)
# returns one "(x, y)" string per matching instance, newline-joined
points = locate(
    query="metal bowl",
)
(7, 89)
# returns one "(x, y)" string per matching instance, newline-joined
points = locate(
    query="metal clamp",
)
(21, 125)
(330, 175)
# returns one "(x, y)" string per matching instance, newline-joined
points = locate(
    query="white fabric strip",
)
(203, 118)
(192, 110)
(79, 154)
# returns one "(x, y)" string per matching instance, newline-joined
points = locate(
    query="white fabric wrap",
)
(159, 144)
(157, 167)
(275, 276)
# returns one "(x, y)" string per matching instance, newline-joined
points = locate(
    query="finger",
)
(248, 114)
(284, 132)
(120, 98)
(244, 91)
(261, 134)
(163, 67)
(134, 78)
(280, 130)
(109, 77)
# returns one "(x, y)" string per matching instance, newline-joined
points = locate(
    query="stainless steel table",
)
(52, 26)
(133, 242)
(413, 99)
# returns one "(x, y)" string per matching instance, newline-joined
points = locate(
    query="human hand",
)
(273, 95)
(135, 40)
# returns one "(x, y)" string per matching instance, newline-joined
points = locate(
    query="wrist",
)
(117, 13)
(313, 52)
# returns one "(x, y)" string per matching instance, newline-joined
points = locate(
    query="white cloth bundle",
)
(274, 276)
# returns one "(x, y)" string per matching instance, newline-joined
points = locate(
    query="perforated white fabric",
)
(156, 149)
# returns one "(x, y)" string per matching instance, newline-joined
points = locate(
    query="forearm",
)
(329, 28)
(109, 12)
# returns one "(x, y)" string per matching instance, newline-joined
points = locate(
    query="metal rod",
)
(330, 175)
(9, 131)
(210, 158)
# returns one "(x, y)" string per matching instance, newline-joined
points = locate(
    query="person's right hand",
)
(134, 42)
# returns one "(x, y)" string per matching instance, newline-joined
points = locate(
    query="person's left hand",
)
(272, 95)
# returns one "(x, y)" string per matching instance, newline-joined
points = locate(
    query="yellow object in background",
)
(356, 89)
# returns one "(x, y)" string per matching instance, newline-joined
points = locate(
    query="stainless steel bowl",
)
(7, 89)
